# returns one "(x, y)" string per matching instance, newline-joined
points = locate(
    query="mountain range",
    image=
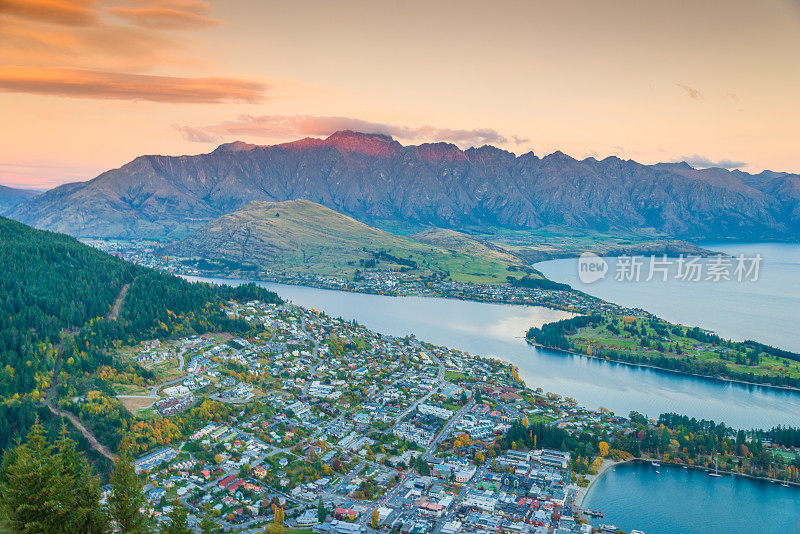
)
(11, 196)
(378, 181)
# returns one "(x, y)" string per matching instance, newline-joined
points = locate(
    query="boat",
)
(634, 531)
(785, 485)
(658, 472)
(608, 528)
(715, 473)
(655, 464)
(593, 513)
(685, 467)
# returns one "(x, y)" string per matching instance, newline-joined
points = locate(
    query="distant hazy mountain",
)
(379, 181)
(11, 196)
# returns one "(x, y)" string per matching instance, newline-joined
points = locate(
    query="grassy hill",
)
(302, 237)
(465, 244)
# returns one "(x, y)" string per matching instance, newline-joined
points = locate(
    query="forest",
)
(653, 342)
(56, 320)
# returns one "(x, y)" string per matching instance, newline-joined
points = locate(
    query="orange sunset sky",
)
(88, 85)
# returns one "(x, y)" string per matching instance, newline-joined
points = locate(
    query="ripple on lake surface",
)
(497, 330)
(688, 501)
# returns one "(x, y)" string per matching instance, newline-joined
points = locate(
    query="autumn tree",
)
(603, 447)
(375, 519)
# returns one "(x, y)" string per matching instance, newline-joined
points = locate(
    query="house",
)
(227, 481)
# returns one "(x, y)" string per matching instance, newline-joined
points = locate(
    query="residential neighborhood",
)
(348, 430)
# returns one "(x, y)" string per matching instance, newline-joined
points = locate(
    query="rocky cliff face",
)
(374, 178)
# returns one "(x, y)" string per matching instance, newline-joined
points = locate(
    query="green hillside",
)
(302, 237)
(58, 319)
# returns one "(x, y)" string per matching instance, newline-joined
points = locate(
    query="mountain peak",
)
(236, 146)
(351, 134)
(369, 144)
(559, 156)
(435, 152)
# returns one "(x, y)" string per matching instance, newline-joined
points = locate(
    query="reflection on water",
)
(497, 330)
(672, 500)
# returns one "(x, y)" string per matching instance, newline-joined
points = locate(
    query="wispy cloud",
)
(166, 17)
(702, 162)
(119, 86)
(82, 48)
(62, 12)
(196, 135)
(691, 92)
(286, 126)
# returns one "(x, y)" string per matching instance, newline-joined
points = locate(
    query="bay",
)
(765, 310)
(498, 330)
(673, 500)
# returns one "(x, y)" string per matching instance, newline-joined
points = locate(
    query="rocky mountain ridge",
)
(376, 180)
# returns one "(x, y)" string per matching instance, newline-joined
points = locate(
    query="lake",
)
(766, 310)
(498, 330)
(687, 501)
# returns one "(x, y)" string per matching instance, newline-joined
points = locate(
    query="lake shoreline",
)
(664, 369)
(510, 348)
(432, 294)
(608, 464)
(525, 304)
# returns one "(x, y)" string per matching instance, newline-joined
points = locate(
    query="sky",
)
(86, 86)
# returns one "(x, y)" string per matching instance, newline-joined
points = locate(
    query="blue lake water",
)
(766, 310)
(677, 501)
(688, 501)
(498, 330)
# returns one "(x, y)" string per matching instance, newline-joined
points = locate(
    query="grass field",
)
(130, 389)
(455, 375)
(135, 404)
(550, 242)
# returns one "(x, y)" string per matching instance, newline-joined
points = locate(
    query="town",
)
(378, 282)
(352, 431)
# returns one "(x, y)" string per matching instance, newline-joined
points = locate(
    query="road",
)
(113, 313)
(434, 389)
(448, 426)
(93, 441)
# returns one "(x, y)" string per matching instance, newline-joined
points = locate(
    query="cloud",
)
(163, 18)
(62, 12)
(702, 162)
(691, 92)
(196, 135)
(111, 85)
(88, 49)
(283, 126)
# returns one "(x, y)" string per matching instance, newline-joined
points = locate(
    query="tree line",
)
(55, 295)
(50, 488)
